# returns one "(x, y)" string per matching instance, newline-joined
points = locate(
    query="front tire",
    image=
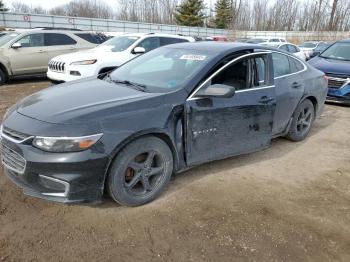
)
(140, 172)
(303, 119)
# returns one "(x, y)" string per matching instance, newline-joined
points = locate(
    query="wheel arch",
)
(4, 69)
(161, 134)
(314, 101)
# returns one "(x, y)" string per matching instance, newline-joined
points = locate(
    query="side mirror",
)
(139, 50)
(217, 90)
(315, 54)
(16, 45)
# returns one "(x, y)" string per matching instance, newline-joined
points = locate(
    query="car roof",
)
(156, 34)
(219, 47)
(345, 40)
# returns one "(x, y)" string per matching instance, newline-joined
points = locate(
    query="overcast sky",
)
(50, 3)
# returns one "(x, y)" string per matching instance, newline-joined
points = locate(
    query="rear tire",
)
(303, 119)
(140, 172)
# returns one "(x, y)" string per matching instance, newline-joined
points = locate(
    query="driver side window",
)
(244, 74)
(33, 40)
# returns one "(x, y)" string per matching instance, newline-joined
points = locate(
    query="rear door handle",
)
(41, 51)
(266, 100)
(296, 85)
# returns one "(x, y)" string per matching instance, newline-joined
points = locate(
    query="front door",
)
(31, 57)
(221, 127)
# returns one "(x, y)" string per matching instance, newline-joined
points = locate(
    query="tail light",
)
(325, 78)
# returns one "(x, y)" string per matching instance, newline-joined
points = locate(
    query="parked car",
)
(293, 49)
(267, 41)
(308, 47)
(108, 55)
(28, 52)
(319, 49)
(165, 111)
(335, 63)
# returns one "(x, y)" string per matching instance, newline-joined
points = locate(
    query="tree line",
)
(257, 15)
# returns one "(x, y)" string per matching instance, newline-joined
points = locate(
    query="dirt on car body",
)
(287, 203)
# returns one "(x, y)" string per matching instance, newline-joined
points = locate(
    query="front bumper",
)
(338, 100)
(339, 95)
(71, 73)
(61, 177)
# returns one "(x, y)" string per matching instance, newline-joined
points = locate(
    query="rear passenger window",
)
(170, 40)
(52, 39)
(292, 49)
(281, 65)
(284, 47)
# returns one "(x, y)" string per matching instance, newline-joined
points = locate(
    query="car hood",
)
(83, 101)
(99, 54)
(331, 66)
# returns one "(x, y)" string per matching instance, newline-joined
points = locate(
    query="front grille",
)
(337, 81)
(14, 134)
(12, 160)
(57, 66)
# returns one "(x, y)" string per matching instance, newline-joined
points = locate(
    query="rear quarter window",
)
(281, 64)
(171, 40)
(92, 38)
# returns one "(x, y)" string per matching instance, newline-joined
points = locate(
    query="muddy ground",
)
(290, 202)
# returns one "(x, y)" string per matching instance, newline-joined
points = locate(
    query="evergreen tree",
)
(223, 13)
(190, 13)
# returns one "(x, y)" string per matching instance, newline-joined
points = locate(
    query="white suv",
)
(108, 56)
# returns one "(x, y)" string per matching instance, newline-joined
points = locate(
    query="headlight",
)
(65, 144)
(84, 62)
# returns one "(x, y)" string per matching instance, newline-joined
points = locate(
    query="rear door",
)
(31, 57)
(220, 127)
(59, 44)
(289, 88)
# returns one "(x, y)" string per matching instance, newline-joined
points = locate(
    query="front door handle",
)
(266, 100)
(296, 85)
(41, 51)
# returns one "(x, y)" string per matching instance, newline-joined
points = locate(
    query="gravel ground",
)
(290, 202)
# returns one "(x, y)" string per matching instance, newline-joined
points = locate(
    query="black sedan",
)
(159, 114)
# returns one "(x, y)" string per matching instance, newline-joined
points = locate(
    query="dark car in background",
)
(335, 63)
(161, 113)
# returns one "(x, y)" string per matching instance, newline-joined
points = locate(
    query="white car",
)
(292, 49)
(267, 41)
(309, 47)
(108, 56)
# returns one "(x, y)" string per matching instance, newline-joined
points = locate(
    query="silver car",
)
(28, 52)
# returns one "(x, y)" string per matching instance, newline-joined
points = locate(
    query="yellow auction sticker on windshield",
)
(193, 57)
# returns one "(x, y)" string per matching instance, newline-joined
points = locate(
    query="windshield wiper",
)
(139, 87)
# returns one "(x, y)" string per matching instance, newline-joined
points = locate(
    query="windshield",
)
(308, 45)
(321, 47)
(7, 37)
(340, 51)
(119, 43)
(163, 69)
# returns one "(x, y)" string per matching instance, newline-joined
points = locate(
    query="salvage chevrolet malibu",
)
(166, 111)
